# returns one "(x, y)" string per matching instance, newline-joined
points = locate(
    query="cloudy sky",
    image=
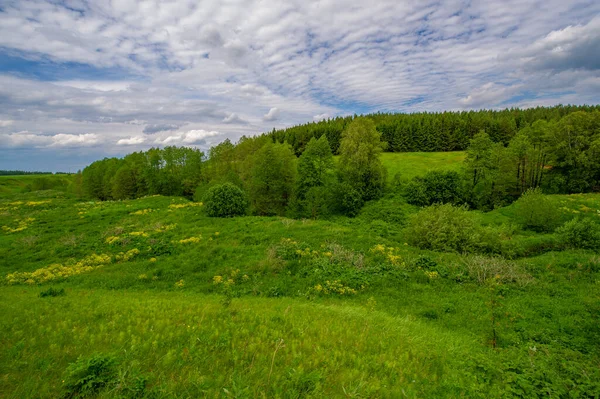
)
(81, 80)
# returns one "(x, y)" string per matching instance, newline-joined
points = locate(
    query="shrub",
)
(87, 376)
(225, 200)
(434, 187)
(415, 193)
(52, 292)
(389, 210)
(445, 227)
(484, 269)
(580, 233)
(535, 211)
(526, 246)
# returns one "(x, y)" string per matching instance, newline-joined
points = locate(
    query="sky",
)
(84, 80)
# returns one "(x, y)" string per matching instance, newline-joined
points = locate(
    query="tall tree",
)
(315, 175)
(359, 163)
(272, 179)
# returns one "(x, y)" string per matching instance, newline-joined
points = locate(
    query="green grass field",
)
(411, 164)
(151, 298)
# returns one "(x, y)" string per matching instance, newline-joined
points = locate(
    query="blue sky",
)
(83, 80)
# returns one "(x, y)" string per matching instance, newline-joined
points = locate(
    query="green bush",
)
(535, 211)
(87, 376)
(415, 193)
(390, 210)
(435, 187)
(225, 200)
(445, 227)
(526, 246)
(580, 233)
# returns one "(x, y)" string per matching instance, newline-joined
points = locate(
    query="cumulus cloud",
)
(161, 127)
(132, 140)
(272, 115)
(321, 117)
(5, 123)
(187, 138)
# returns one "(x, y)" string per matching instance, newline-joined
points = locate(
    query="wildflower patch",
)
(186, 205)
(58, 271)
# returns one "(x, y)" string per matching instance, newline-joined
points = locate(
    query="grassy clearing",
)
(412, 164)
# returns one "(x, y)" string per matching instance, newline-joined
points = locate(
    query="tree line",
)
(22, 172)
(267, 177)
(560, 157)
(443, 131)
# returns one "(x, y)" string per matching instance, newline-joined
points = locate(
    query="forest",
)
(444, 131)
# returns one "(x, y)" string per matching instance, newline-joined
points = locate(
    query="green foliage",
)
(580, 233)
(349, 200)
(225, 200)
(433, 188)
(167, 171)
(390, 210)
(272, 179)
(359, 165)
(88, 375)
(449, 228)
(427, 131)
(535, 211)
(315, 179)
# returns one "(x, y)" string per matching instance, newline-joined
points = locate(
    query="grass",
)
(183, 305)
(412, 164)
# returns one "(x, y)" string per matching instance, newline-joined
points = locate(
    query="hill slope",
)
(191, 306)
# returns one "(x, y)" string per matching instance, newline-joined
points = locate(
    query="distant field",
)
(411, 164)
(26, 183)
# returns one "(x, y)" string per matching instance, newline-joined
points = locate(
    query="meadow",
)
(152, 298)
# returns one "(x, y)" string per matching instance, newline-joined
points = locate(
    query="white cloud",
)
(95, 85)
(272, 115)
(132, 141)
(321, 117)
(188, 138)
(5, 123)
(26, 139)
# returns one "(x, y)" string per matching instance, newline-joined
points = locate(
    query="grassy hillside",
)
(412, 164)
(27, 183)
(151, 298)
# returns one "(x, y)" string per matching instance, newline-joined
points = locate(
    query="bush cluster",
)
(435, 187)
(446, 227)
(225, 200)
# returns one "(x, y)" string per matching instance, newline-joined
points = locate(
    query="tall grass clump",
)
(88, 376)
